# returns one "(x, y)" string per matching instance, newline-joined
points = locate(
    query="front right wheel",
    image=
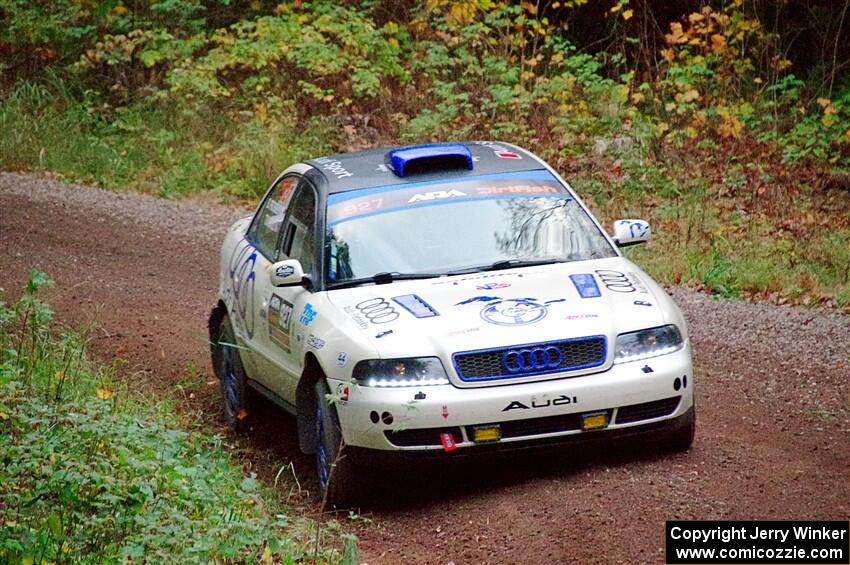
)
(335, 469)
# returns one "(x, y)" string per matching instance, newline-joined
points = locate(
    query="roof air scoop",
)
(428, 158)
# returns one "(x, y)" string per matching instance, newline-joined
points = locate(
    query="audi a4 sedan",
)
(443, 299)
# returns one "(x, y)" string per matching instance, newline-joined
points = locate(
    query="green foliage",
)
(178, 97)
(90, 474)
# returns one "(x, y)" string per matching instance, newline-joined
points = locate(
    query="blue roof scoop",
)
(430, 157)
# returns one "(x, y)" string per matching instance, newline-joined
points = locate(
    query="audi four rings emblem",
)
(378, 311)
(534, 359)
(616, 281)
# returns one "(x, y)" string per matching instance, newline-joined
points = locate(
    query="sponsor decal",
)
(416, 306)
(514, 312)
(419, 396)
(461, 332)
(382, 334)
(500, 150)
(637, 228)
(242, 279)
(477, 299)
(445, 412)
(485, 276)
(280, 321)
(643, 303)
(586, 285)
(342, 393)
(358, 319)
(315, 342)
(434, 195)
(636, 280)
(616, 281)
(492, 286)
(561, 400)
(511, 311)
(580, 316)
(377, 311)
(345, 206)
(308, 315)
(341, 359)
(334, 167)
(284, 271)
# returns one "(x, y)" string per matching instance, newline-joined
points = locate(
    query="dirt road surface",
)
(773, 392)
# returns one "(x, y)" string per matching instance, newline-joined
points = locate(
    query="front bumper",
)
(630, 394)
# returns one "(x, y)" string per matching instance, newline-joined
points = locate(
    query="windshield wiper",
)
(512, 263)
(384, 278)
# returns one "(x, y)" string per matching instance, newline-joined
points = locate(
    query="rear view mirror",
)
(631, 232)
(287, 273)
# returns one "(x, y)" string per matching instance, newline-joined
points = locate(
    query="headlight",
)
(416, 371)
(644, 344)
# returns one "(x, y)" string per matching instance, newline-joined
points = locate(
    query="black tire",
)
(682, 436)
(235, 394)
(335, 469)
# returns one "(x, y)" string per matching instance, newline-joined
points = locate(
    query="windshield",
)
(458, 224)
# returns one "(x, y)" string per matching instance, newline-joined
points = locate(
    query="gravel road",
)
(773, 390)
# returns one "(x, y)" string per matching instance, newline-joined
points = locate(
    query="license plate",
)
(594, 421)
(484, 434)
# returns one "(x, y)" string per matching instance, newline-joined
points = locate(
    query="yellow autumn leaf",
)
(847, 134)
(4, 416)
(687, 96)
(637, 97)
(627, 14)
(104, 393)
(695, 17)
(824, 102)
(668, 55)
(267, 556)
(730, 126)
(718, 43)
(616, 8)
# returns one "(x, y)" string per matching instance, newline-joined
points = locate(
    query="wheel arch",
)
(214, 327)
(305, 402)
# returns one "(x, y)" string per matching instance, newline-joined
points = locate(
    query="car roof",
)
(367, 169)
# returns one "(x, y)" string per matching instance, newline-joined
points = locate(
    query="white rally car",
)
(444, 298)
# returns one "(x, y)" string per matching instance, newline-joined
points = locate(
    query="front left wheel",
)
(231, 375)
(335, 469)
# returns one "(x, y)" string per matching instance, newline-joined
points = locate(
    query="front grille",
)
(422, 436)
(647, 410)
(531, 359)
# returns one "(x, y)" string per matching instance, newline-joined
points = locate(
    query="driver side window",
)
(299, 238)
(265, 230)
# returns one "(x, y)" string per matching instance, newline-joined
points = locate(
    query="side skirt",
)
(277, 400)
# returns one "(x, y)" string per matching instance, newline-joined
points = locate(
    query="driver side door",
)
(280, 339)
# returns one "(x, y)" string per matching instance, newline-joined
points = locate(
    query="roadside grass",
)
(151, 146)
(92, 474)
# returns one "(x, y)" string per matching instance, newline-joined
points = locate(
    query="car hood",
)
(504, 308)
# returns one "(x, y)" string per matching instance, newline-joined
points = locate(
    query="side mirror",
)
(631, 232)
(287, 273)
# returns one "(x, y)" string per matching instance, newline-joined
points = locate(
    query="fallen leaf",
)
(104, 393)
(242, 414)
